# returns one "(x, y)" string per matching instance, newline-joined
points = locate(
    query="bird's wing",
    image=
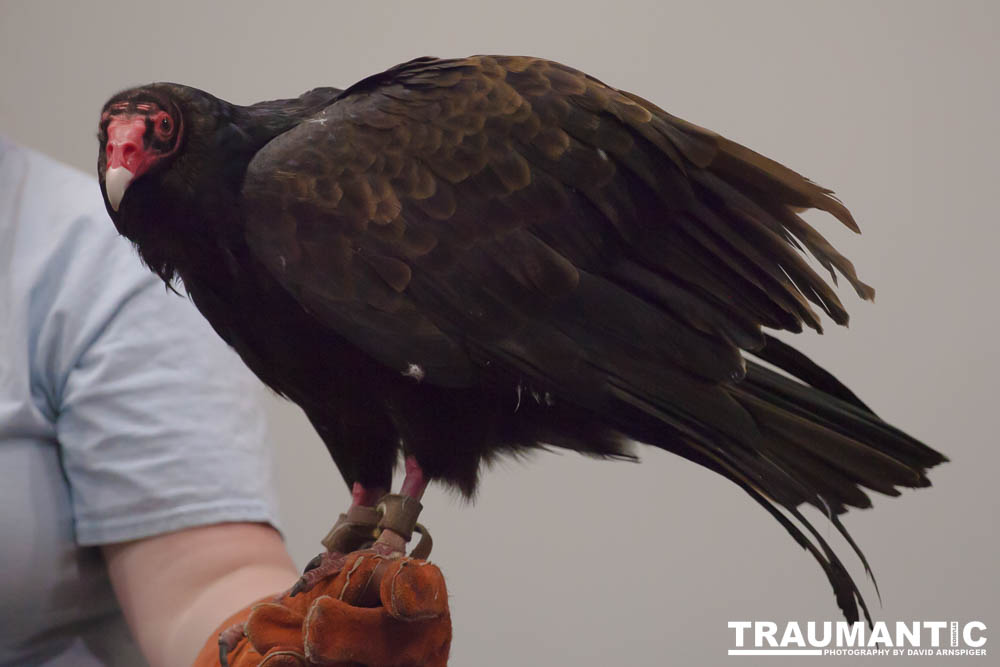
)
(447, 201)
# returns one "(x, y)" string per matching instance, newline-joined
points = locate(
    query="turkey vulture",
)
(465, 259)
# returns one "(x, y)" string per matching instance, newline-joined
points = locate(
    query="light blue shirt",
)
(122, 415)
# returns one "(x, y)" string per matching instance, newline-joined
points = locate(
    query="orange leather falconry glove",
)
(396, 617)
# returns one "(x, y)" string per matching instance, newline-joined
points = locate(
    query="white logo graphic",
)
(939, 638)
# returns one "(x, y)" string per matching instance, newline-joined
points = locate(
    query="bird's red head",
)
(137, 132)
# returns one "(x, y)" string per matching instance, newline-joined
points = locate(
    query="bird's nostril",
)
(123, 148)
(122, 153)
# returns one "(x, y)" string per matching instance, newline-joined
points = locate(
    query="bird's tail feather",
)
(817, 444)
(757, 478)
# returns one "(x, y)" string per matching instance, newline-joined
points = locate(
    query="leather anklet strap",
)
(423, 548)
(353, 529)
(399, 514)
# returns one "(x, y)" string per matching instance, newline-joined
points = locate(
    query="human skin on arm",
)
(176, 588)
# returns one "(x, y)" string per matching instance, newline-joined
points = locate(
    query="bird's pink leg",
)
(362, 495)
(414, 484)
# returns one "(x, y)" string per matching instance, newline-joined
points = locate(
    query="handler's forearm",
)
(176, 589)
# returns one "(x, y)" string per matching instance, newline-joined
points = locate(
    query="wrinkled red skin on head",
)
(126, 147)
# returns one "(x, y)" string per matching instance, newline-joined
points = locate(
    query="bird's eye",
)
(164, 125)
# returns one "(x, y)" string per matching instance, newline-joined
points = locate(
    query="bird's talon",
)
(314, 563)
(228, 639)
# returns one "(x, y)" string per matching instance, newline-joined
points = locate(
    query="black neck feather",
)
(187, 214)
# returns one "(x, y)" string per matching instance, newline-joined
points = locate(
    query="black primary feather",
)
(564, 263)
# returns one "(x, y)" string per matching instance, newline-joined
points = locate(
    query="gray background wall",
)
(570, 561)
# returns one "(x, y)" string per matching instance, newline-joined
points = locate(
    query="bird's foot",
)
(326, 564)
(356, 529)
(390, 544)
(385, 528)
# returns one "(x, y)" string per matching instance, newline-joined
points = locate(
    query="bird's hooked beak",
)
(126, 154)
(116, 181)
